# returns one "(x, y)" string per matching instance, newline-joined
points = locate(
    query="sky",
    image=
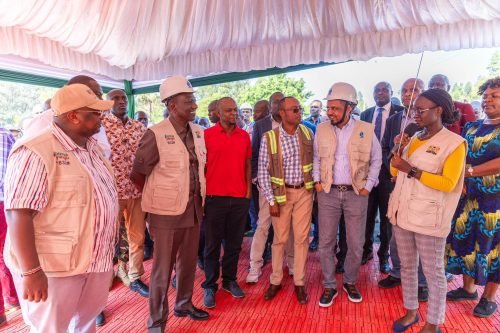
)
(460, 66)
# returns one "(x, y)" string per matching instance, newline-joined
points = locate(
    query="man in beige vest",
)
(347, 161)
(62, 209)
(169, 168)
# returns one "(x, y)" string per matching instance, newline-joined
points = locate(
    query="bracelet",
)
(31, 271)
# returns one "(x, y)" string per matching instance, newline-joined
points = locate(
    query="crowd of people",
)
(89, 193)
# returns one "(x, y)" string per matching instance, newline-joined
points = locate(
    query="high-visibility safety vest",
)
(276, 161)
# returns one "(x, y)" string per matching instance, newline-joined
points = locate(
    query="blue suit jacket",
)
(367, 116)
(259, 128)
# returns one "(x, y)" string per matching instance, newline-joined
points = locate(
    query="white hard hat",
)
(174, 85)
(246, 106)
(343, 91)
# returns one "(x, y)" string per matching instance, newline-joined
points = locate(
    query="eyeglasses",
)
(418, 111)
(296, 109)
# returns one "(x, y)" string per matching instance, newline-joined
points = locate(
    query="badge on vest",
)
(61, 158)
(361, 134)
(198, 135)
(170, 139)
(432, 150)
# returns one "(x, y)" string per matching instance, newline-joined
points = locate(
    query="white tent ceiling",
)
(145, 40)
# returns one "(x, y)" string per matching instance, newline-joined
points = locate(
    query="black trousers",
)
(201, 243)
(225, 219)
(378, 202)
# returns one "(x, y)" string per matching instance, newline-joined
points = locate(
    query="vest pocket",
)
(68, 191)
(166, 197)
(54, 253)
(424, 212)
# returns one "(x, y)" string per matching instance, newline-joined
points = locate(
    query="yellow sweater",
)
(452, 168)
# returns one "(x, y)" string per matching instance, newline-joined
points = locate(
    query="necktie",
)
(378, 123)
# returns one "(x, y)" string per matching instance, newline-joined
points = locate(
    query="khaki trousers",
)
(296, 213)
(260, 237)
(131, 212)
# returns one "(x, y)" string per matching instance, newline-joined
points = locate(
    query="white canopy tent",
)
(144, 41)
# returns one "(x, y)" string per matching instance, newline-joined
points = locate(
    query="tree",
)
(21, 101)
(241, 91)
(494, 65)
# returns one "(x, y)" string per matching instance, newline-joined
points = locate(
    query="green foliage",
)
(242, 91)
(494, 65)
(21, 101)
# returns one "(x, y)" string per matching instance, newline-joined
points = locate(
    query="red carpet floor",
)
(127, 311)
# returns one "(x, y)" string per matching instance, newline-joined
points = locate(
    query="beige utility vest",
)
(416, 207)
(166, 191)
(64, 230)
(359, 150)
(276, 158)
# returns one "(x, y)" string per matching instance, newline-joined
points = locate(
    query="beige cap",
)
(76, 96)
(174, 85)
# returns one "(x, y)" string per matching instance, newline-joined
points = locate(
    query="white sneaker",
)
(253, 275)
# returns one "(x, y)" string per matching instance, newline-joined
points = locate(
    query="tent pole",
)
(130, 96)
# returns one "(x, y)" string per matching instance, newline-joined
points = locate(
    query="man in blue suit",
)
(379, 196)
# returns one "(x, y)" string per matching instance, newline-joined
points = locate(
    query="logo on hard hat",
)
(189, 84)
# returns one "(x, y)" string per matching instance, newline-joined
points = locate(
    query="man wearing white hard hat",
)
(169, 168)
(347, 161)
(62, 212)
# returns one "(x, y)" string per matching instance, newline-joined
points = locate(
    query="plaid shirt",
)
(292, 169)
(6, 142)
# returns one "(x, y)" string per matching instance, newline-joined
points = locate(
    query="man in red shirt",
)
(467, 114)
(228, 175)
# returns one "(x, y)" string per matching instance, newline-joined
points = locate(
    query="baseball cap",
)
(174, 85)
(76, 96)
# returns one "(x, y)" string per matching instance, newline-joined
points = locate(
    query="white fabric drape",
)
(150, 39)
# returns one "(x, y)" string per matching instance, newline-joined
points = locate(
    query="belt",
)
(343, 188)
(295, 186)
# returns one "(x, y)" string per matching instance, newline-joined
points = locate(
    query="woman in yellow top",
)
(430, 174)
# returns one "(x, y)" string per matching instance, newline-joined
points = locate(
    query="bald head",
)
(121, 102)
(89, 82)
(260, 110)
(274, 101)
(439, 81)
(410, 90)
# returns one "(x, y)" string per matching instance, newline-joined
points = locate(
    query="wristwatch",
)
(412, 173)
(470, 170)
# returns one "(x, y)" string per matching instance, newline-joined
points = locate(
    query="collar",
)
(348, 125)
(386, 107)
(283, 132)
(68, 143)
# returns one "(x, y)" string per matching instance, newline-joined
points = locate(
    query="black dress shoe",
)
(195, 314)
(148, 253)
(300, 292)
(389, 282)
(272, 291)
(384, 266)
(366, 257)
(139, 287)
(100, 320)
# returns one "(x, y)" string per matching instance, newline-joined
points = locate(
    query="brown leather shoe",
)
(301, 293)
(272, 291)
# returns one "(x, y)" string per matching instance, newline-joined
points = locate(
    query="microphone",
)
(410, 130)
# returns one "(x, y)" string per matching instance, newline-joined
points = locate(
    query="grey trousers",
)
(396, 264)
(172, 246)
(430, 249)
(330, 208)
